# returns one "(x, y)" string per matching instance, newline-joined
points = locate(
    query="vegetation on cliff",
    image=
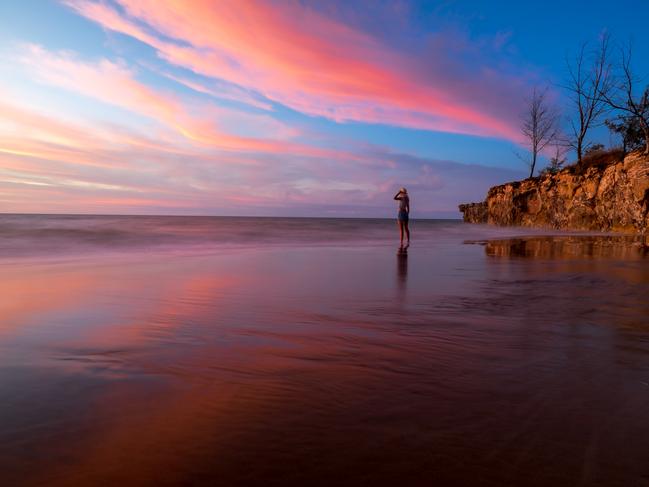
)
(598, 85)
(604, 189)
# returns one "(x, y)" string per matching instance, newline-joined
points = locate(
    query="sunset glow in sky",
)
(276, 108)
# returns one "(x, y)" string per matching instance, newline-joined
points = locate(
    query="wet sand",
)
(503, 362)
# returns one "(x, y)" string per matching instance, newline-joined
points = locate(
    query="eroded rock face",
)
(475, 212)
(615, 198)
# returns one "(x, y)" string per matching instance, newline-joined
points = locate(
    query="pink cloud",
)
(197, 162)
(115, 84)
(104, 80)
(65, 167)
(48, 162)
(310, 62)
(231, 92)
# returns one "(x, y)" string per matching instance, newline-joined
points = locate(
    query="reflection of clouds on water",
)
(254, 354)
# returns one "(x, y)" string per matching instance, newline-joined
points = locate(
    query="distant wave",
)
(22, 235)
(69, 234)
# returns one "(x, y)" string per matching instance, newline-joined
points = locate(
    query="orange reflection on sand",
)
(216, 409)
(28, 292)
(578, 247)
(177, 300)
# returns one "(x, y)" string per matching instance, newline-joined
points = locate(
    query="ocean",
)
(154, 350)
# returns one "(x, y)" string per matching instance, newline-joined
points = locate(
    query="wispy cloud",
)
(227, 144)
(115, 83)
(78, 168)
(314, 64)
(222, 91)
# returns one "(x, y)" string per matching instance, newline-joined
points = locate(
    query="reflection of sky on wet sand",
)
(262, 366)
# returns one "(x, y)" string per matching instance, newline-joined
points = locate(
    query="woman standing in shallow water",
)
(404, 211)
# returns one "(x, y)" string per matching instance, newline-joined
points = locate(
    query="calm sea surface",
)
(269, 351)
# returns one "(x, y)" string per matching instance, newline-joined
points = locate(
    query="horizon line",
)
(220, 216)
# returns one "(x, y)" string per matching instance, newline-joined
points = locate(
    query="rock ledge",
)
(613, 197)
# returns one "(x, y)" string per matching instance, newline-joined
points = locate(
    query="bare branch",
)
(539, 125)
(622, 97)
(588, 86)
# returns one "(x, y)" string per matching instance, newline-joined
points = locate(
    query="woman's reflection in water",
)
(402, 270)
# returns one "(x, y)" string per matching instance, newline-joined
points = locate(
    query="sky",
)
(281, 108)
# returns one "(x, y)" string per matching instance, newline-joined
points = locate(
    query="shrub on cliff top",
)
(599, 158)
(629, 129)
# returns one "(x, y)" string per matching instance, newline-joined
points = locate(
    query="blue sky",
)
(280, 108)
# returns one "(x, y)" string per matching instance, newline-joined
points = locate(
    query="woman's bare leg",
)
(400, 223)
(405, 224)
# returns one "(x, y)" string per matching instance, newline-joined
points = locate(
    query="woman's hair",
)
(403, 190)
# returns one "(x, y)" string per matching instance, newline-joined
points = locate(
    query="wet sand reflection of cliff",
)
(573, 247)
(575, 280)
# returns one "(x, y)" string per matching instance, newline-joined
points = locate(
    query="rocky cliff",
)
(608, 196)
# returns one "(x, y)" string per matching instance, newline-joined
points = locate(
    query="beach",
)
(288, 351)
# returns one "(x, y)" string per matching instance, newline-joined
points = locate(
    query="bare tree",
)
(539, 125)
(588, 83)
(624, 98)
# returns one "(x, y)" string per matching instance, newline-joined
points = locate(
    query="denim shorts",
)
(402, 216)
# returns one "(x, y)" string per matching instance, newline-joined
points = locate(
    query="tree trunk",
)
(533, 164)
(579, 150)
(645, 131)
